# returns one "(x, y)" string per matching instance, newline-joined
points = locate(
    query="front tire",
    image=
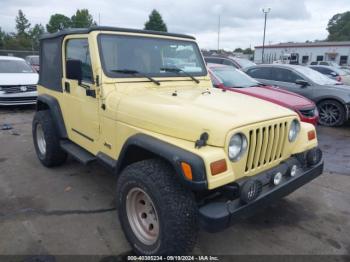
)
(158, 215)
(332, 113)
(46, 140)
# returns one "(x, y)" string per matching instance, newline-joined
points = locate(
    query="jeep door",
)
(81, 104)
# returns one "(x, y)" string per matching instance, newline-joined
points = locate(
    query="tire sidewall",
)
(341, 110)
(36, 121)
(122, 193)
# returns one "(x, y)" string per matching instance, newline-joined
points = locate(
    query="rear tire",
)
(331, 113)
(163, 219)
(46, 140)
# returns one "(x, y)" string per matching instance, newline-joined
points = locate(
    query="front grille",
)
(308, 112)
(266, 144)
(17, 88)
(17, 99)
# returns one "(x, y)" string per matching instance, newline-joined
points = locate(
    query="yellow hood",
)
(194, 111)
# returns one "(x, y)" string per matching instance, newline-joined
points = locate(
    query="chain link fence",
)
(18, 53)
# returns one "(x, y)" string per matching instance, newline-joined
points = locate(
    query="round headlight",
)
(294, 130)
(237, 146)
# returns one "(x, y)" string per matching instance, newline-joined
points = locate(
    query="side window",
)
(260, 72)
(324, 63)
(313, 63)
(284, 75)
(326, 71)
(318, 69)
(78, 49)
(213, 60)
(228, 62)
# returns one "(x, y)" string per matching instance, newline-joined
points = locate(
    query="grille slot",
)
(17, 89)
(266, 144)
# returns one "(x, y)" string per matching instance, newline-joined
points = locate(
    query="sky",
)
(242, 21)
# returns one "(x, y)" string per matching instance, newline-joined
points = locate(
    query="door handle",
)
(67, 87)
(91, 92)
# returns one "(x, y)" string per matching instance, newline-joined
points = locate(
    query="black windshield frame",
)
(161, 75)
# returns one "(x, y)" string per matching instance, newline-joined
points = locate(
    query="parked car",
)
(229, 78)
(325, 63)
(331, 97)
(345, 68)
(17, 82)
(335, 73)
(185, 155)
(239, 63)
(33, 60)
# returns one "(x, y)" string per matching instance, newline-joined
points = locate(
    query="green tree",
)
(82, 19)
(22, 24)
(238, 50)
(58, 22)
(248, 51)
(2, 38)
(339, 27)
(155, 22)
(35, 33)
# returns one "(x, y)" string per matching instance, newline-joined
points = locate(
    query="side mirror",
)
(74, 70)
(302, 83)
(334, 74)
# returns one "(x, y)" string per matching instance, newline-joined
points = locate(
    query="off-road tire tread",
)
(177, 206)
(54, 156)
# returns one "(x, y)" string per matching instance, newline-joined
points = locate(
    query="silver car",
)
(332, 98)
(333, 72)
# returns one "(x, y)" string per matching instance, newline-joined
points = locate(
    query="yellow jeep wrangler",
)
(186, 156)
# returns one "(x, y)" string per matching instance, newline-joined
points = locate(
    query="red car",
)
(229, 78)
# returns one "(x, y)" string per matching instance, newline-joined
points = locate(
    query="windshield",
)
(14, 66)
(149, 56)
(315, 76)
(244, 63)
(232, 77)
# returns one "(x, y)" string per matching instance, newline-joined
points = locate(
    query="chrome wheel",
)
(142, 216)
(40, 139)
(330, 114)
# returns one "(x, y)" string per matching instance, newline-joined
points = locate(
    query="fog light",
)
(277, 178)
(293, 170)
(250, 190)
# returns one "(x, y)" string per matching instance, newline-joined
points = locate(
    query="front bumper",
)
(218, 215)
(24, 98)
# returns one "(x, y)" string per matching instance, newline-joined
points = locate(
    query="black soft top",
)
(109, 28)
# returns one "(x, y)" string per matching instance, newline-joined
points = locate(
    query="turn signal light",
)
(218, 167)
(311, 135)
(187, 170)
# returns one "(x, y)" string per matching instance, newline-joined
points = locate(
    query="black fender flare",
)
(172, 154)
(50, 103)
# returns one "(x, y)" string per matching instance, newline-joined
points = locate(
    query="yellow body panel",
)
(133, 106)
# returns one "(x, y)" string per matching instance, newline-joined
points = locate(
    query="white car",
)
(17, 82)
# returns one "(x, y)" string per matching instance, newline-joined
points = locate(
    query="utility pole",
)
(99, 20)
(265, 11)
(219, 34)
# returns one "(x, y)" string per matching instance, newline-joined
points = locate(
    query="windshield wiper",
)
(134, 72)
(178, 70)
